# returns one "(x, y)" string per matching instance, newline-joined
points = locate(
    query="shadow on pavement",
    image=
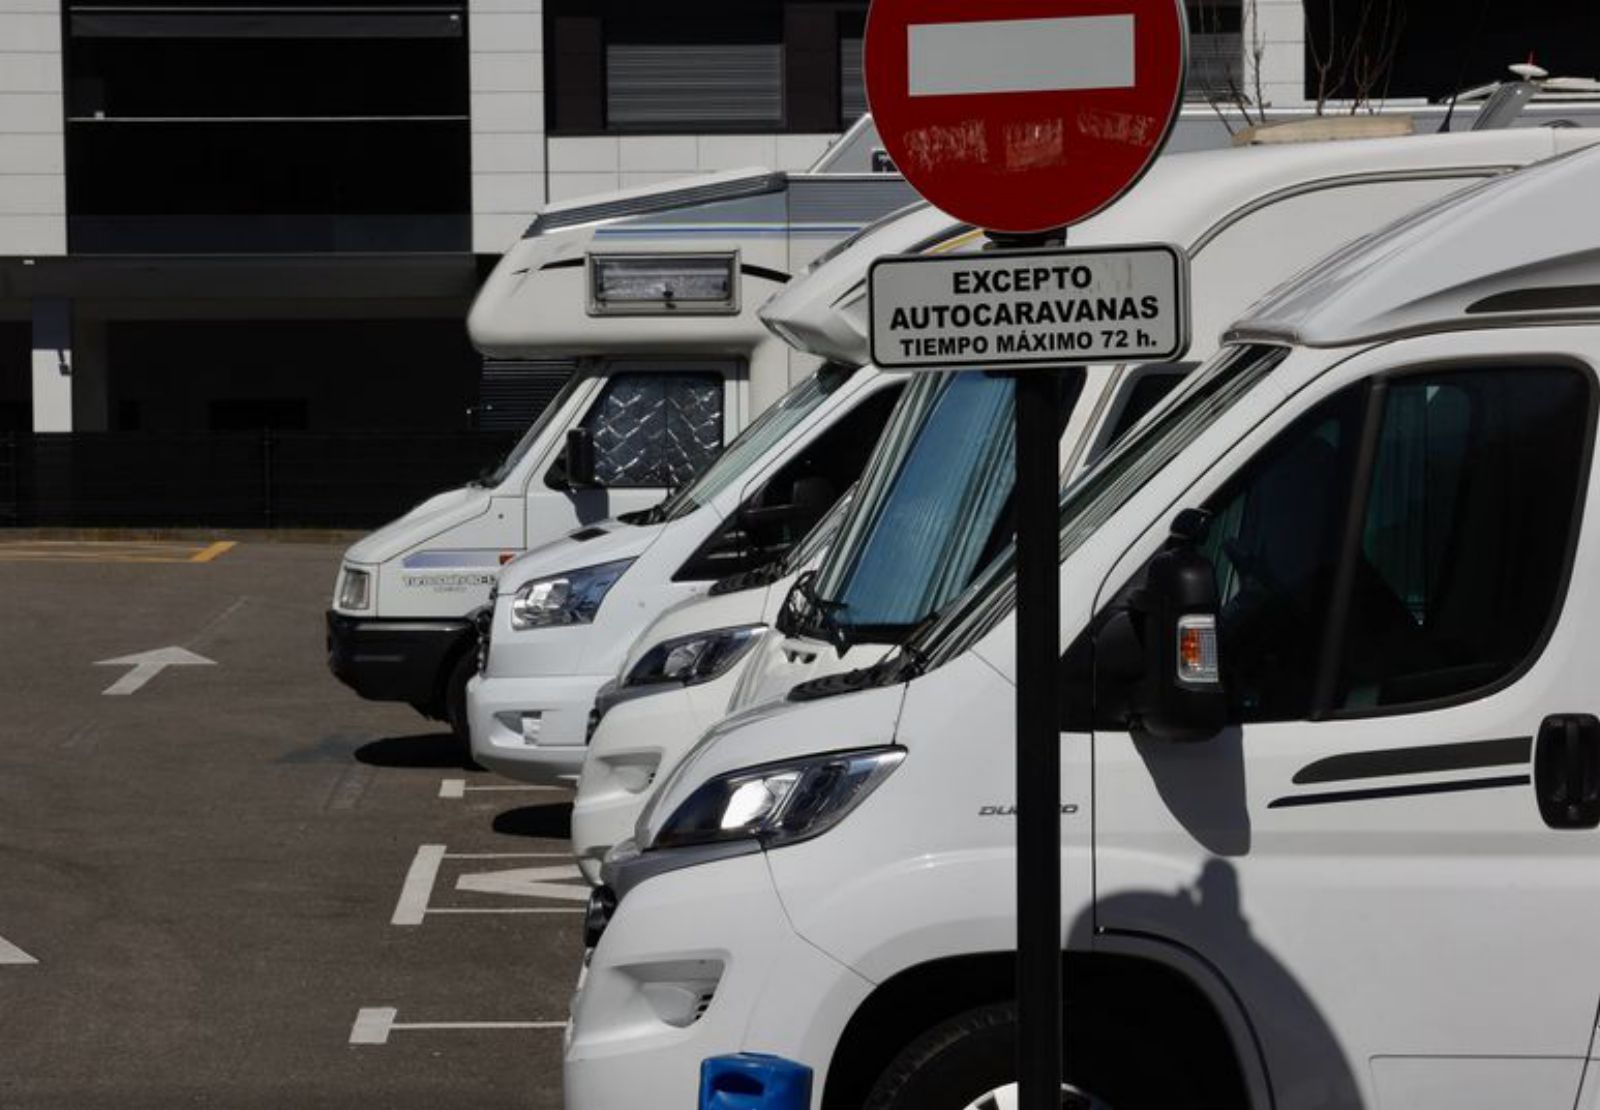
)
(436, 749)
(551, 821)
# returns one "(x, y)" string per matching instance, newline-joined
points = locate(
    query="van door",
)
(654, 427)
(1378, 855)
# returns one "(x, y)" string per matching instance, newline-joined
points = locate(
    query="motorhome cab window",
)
(786, 506)
(653, 430)
(535, 430)
(1091, 500)
(937, 507)
(750, 444)
(1429, 572)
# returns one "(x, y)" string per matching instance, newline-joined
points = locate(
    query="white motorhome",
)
(647, 299)
(933, 504)
(1351, 866)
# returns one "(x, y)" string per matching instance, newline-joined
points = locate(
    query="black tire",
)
(455, 698)
(957, 1063)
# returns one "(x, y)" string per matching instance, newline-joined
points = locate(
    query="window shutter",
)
(678, 86)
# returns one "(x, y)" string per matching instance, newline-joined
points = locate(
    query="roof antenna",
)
(1461, 70)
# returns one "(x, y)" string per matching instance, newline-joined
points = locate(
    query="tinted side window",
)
(1469, 519)
(1142, 396)
(1274, 541)
(656, 429)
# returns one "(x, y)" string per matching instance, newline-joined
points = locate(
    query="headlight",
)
(572, 598)
(780, 803)
(355, 592)
(693, 659)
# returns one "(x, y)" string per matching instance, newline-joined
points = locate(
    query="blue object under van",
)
(754, 1081)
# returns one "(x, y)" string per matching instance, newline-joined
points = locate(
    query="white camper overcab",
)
(933, 505)
(1351, 866)
(648, 299)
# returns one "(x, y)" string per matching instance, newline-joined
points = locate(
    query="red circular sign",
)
(1024, 115)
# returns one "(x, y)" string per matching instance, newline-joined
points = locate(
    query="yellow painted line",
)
(221, 547)
(57, 557)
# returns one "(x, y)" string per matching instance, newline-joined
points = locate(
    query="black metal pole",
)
(1039, 979)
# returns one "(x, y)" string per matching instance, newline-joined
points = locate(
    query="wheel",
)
(967, 1063)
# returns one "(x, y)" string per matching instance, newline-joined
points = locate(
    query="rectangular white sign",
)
(1029, 307)
(1021, 55)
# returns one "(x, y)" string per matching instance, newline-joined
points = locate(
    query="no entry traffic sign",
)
(1024, 115)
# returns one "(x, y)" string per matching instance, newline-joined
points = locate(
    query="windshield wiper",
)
(764, 575)
(823, 611)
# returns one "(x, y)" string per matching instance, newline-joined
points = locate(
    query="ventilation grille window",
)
(678, 86)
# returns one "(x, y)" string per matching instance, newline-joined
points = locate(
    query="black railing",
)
(231, 479)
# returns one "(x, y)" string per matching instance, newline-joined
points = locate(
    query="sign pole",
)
(1039, 976)
(1040, 1021)
(1022, 116)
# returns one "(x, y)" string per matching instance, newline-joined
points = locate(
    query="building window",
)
(184, 135)
(717, 65)
(852, 79)
(718, 84)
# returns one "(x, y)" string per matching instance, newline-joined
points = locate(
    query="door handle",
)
(1566, 771)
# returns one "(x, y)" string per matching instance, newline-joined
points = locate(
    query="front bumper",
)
(397, 658)
(637, 743)
(532, 729)
(696, 963)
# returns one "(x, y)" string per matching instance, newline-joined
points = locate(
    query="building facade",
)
(217, 217)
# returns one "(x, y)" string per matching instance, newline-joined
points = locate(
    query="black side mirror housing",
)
(580, 459)
(1180, 697)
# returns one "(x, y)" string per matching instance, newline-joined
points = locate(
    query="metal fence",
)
(231, 480)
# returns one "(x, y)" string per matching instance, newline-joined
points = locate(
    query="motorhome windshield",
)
(531, 436)
(1090, 501)
(754, 442)
(928, 509)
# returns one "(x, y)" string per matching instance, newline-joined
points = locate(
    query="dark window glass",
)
(1468, 522)
(1143, 395)
(1274, 541)
(656, 429)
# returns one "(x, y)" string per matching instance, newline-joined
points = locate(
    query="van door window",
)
(656, 429)
(1432, 572)
(1469, 520)
(1274, 541)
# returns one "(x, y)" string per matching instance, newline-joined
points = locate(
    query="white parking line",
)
(11, 954)
(457, 788)
(413, 902)
(373, 1025)
(531, 882)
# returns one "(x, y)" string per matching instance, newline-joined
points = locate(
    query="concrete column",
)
(52, 365)
(91, 376)
(506, 63)
(1279, 28)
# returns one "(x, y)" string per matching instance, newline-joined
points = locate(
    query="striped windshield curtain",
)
(930, 526)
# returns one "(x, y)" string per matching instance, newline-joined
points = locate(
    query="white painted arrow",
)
(529, 882)
(147, 664)
(11, 954)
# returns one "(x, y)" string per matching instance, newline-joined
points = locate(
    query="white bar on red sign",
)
(1021, 55)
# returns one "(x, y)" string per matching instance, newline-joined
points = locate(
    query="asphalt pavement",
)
(226, 881)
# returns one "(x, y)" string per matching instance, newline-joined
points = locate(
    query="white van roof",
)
(1515, 250)
(1178, 201)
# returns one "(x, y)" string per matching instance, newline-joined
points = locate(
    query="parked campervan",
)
(1350, 866)
(933, 507)
(647, 300)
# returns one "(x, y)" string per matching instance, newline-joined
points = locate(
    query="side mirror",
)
(1181, 697)
(580, 459)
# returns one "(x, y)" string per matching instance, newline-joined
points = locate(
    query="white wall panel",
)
(33, 188)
